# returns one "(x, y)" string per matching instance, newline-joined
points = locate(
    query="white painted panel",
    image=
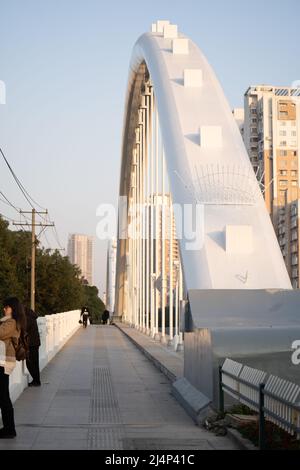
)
(170, 31)
(161, 24)
(239, 239)
(180, 46)
(211, 137)
(192, 78)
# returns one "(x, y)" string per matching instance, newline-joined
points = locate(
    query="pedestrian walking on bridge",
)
(105, 317)
(12, 325)
(32, 362)
(85, 314)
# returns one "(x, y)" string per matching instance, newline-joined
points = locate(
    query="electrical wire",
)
(9, 203)
(28, 199)
(20, 185)
(47, 241)
(5, 217)
(57, 238)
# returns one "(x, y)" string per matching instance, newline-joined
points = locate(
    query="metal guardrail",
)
(273, 398)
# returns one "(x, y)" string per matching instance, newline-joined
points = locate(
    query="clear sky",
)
(65, 66)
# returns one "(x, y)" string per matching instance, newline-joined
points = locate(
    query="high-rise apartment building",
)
(80, 252)
(271, 136)
(158, 245)
(239, 116)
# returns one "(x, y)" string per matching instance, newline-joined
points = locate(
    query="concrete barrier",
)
(55, 330)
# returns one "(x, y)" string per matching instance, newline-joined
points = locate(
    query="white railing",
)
(55, 330)
(275, 399)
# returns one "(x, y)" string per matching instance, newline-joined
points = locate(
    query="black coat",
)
(32, 329)
(105, 315)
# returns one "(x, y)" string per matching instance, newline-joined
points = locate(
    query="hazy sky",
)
(65, 66)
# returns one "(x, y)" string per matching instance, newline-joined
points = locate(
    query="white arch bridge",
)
(197, 254)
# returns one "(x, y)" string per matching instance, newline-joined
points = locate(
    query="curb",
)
(239, 440)
(232, 434)
(159, 365)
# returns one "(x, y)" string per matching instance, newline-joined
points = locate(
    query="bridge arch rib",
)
(178, 119)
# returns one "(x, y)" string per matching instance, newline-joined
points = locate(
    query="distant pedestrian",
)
(105, 317)
(85, 314)
(32, 362)
(12, 325)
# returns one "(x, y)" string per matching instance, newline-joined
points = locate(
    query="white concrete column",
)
(171, 327)
(163, 252)
(157, 334)
(42, 325)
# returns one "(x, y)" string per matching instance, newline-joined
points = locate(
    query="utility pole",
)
(33, 247)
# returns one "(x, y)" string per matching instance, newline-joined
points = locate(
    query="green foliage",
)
(58, 282)
(93, 302)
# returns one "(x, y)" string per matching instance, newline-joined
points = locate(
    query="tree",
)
(93, 302)
(58, 282)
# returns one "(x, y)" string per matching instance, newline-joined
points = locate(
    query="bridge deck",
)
(101, 392)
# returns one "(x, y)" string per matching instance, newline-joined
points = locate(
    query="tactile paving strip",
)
(105, 439)
(104, 408)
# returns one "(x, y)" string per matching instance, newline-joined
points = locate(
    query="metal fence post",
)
(262, 437)
(221, 392)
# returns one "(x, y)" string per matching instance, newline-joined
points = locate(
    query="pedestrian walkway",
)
(165, 358)
(101, 392)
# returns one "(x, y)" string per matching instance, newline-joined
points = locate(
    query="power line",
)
(9, 203)
(20, 185)
(33, 251)
(28, 199)
(12, 220)
(47, 240)
(7, 218)
(57, 238)
(4, 202)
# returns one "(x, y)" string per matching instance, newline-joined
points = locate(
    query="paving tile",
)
(101, 392)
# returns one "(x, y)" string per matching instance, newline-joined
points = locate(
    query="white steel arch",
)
(206, 162)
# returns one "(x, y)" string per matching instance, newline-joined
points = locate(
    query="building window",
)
(294, 210)
(294, 153)
(283, 183)
(294, 133)
(283, 172)
(283, 153)
(294, 260)
(294, 223)
(282, 133)
(295, 272)
(294, 183)
(294, 173)
(294, 235)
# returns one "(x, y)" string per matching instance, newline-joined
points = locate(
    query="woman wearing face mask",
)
(11, 326)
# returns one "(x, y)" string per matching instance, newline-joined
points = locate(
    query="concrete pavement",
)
(101, 392)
